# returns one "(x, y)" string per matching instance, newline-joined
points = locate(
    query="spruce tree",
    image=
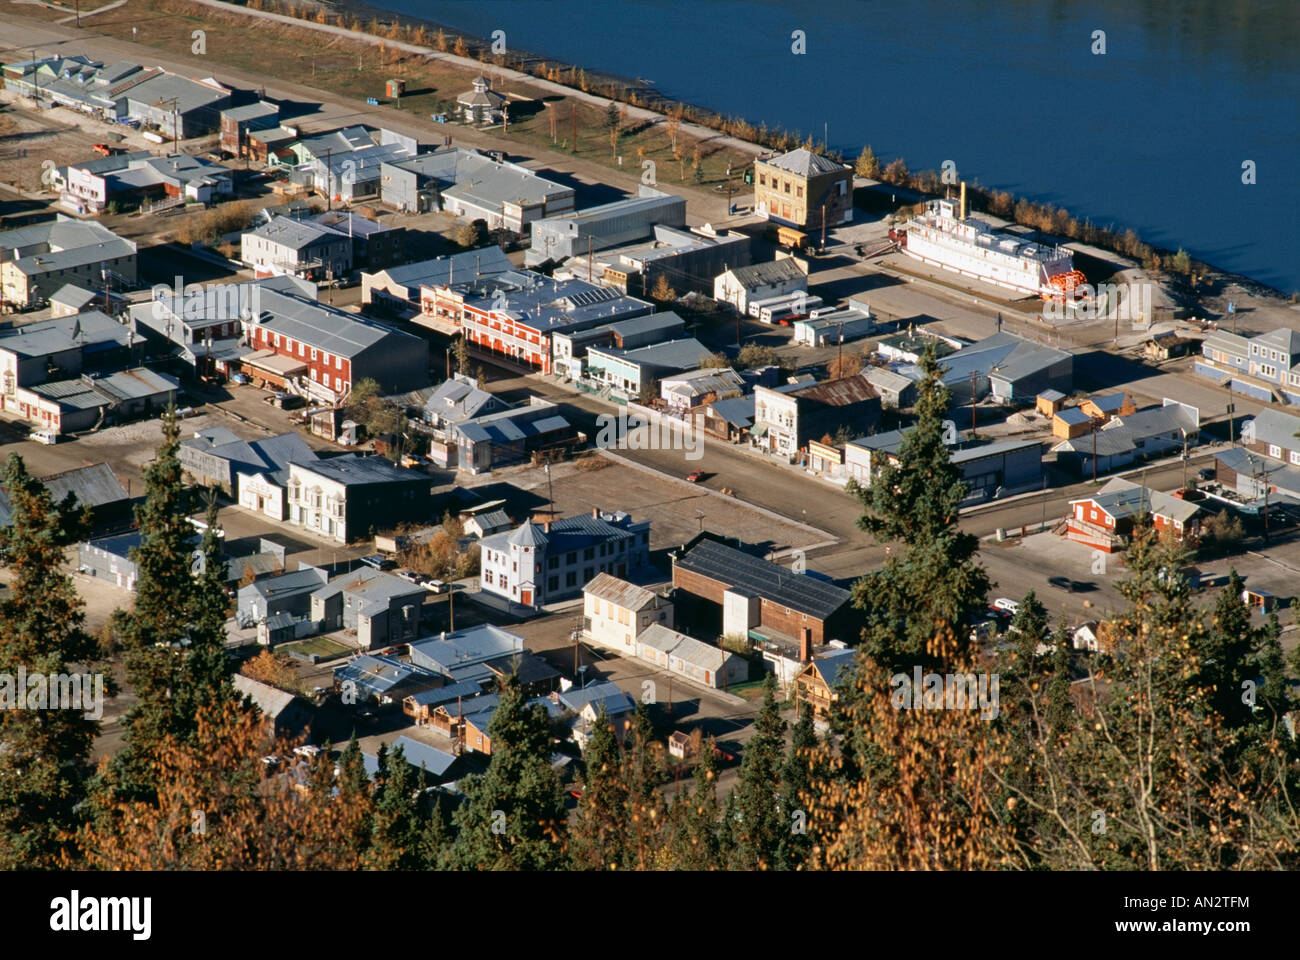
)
(936, 579)
(796, 790)
(397, 825)
(513, 816)
(45, 752)
(1225, 653)
(643, 775)
(599, 829)
(696, 837)
(206, 670)
(761, 827)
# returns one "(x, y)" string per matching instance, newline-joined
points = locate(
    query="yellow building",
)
(800, 187)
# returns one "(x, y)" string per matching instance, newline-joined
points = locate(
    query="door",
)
(526, 597)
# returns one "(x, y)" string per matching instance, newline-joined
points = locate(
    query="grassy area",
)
(357, 70)
(323, 647)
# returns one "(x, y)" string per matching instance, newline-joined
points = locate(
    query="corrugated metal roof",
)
(797, 591)
(618, 592)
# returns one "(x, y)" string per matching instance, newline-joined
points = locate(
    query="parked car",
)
(378, 561)
(436, 586)
(45, 436)
(410, 576)
(694, 476)
(1208, 473)
(1005, 605)
(1065, 583)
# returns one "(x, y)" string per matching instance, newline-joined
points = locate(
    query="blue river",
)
(1156, 133)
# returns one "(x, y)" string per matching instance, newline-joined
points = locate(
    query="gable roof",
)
(272, 701)
(766, 274)
(1276, 427)
(1283, 338)
(619, 592)
(804, 163)
(832, 664)
(797, 591)
(605, 693)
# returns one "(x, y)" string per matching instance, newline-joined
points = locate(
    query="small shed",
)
(1070, 423)
(395, 87)
(1049, 402)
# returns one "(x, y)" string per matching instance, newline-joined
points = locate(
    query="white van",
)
(45, 436)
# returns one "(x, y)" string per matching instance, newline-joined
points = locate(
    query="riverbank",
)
(564, 120)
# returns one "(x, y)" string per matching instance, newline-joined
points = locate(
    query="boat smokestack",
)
(963, 201)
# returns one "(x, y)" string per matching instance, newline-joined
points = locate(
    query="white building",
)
(741, 285)
(616, 612)
(693, 659)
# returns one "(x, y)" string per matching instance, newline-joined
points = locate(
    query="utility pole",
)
(589, 259)
(839, 353)
(1184, 433)
(451, 607)
(329, 182)
(974, 384)
(823, 246)
(1094, 451)
(1232, 409)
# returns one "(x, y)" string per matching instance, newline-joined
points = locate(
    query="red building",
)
(1106, 519)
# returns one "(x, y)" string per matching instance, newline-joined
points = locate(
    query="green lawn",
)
(323, 647)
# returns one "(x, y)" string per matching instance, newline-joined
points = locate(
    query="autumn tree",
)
(843, 366)
(662, 291)
(268, 668)
(696, 839)
(867, 165)
(599, 828)
(45, 758)
(643, 773)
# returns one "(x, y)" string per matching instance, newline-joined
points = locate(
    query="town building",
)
(379, 608)
(349, 497)
(687, 657)
(685, 392)
(175, 106)
(287, 716)
(1010, 369)
(616, 612)
(375, 244)
(237, 123)
(724, 587)
(685, 260)
(1104, 407)
(400, 287)
(216, 457)
(36, 261)
(142, 180)
(896, 391)
(831, 327)
(1130, 438)
(803, 189)
(786, 419)
(52, 349)
(498, 439)
(458, 400)
(536, 564)
(633, 373)
(383, 679)
(1265, 367)
(907, 346)
(469, 184)
(320, 351)
(1106, 519)
(570, 349)
(517, 325)
(71, 299)
(92, 400)
(729, 419)
(596, 700)
(818, 682)
(464, 655)
(286, 593)
(482, 104)
(741, 286)
(609, 225)
(95, 487)
(297, 248)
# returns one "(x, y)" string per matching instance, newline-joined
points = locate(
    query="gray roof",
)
(1073, 415)
(1276, 427)
(1154, 420)
(290, 232)
(991, 450)
(272, 701)
(417, 754)
(887, 380)
(604, 693)
(458, 267)
(256, 456)
(1003, 355)
(377, 674)
(327, 328)
(677, 644)
(306, 580)
(733, 567)
(546, 304)
(446, 694)
(93, 486)
(630, 206)
(87, 392)
(805, 163)
(1283, 338)
(61, 244)
(456, 400)
(618, 592)
(653, 323)
(831, 665)
(251, 111)
(1051, 396)
(737, 411)
(475, 645)
(370, 586)
(671, 355)
(566, 534)
(766, 274)
(45, 337)
(1122, 498)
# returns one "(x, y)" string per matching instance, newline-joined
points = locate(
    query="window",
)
(553, 583)
(588, 574)
(553, 563)
(338, 363)
(1295, 457)
(1274, 450)
(505, 582)
(787, 186)
(313, 353)
(589, 553)
(571, 557)
(571, 579)
(798, 192)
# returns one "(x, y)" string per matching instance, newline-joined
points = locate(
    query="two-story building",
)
(350, 497)
(616, 612)
(803, 189)
(536, 564)
(1256, 366)
(380, 608)
(786, 418)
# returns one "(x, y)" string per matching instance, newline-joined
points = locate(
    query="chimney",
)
(595, 513)
(805, 645)
(546, 526)
(963, 201)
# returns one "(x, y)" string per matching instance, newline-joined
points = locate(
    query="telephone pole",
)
(974, 385)
(1094, 451)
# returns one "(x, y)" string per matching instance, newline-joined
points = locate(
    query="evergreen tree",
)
(697, 835)
(643, 775)
(45, 752)
(1060, 709)
(206, 668)
(513, 816)
(599, 830)
(761, 827)
(1225, 653)
(352, 768)
(397, 826)
(936, 581)
(796, 790)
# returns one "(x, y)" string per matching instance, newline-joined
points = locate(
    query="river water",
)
(1152, 134)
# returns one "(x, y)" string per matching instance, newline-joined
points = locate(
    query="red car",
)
(694, 476)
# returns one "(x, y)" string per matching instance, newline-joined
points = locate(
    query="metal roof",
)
(417, 754)
(605, 694)
(732, 567)
(677, 644)
(1276, 427)
(766, 274)
(93, 486)
(272, 701)
(473, 646)
(618, 592)
(805, 163)
(58, 334)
